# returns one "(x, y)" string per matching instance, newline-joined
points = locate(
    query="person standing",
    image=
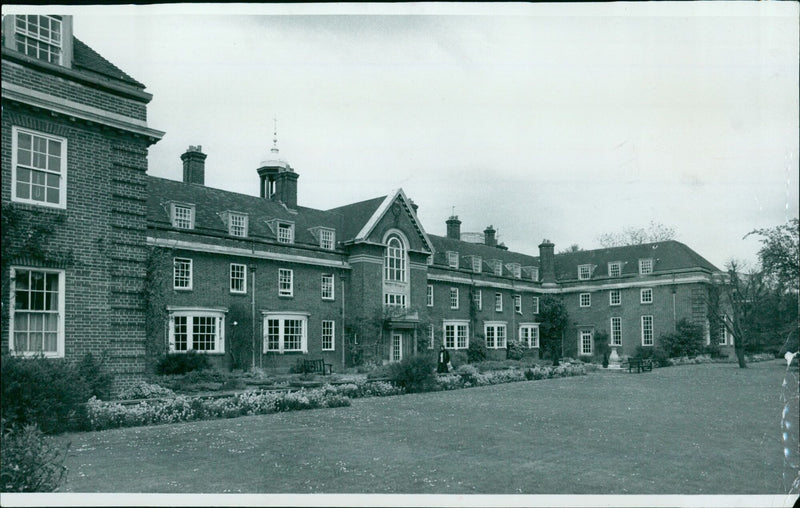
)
(444, 359)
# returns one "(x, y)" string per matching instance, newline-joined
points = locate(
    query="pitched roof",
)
(442, 244)
(210, 203)
(357, 215)
(88, 60)
(667, 256)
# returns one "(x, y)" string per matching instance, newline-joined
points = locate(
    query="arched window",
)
(394, 264)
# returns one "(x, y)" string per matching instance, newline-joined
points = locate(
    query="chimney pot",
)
(489, 236)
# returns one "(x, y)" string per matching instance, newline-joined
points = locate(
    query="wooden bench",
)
(317, 367)
(640, 364)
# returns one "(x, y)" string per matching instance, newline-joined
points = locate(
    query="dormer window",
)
(615, 269)
(283, 230)
(477, 264)
(515, 269)
(39, 37)
(327, 239)
(645, 266)
(452, 259)
(237, 224)
(584, 272)
(497, 266)
(533, 271)
(182, 216)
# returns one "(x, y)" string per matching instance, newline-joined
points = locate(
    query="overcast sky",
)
(559, 121)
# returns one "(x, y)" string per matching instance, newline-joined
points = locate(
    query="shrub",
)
(686, 340)
(468, 373)
(181, 363)
(145, 390)
(450, 382)
(514, 350)
(414, 373)
(379, 371)
(476, 352)
(48, 392)
(29, 462)
(458, 358)
(658, 355)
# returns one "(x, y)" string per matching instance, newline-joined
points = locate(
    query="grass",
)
(695, 429)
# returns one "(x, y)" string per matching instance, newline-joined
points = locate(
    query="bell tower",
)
(278, 179)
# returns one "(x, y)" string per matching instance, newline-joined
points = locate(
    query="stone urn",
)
(613, 359)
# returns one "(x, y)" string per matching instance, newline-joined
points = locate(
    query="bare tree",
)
(654, 232)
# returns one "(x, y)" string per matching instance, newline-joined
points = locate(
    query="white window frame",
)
(535, 273)
(582, 336)
(611, 300)
(497, 267)
(395, 300)
(285, 282)
(459, 335)
(528, 334)
(584, 272)
(43, 44)
(477, 264)
(645, 266)
(477, 298)
(452, 259)
(616, 331)
(454, 298)
(585, 300)
(535, 304)
(328, 335)
(237, 224)
(191, 323)
(61, 173)
(284, 232)
(615, 265)
(722, 339)
(327, 239)
(516, 269)
(233, 278)
(60, 320)
(498, 302)
(646, 295)
(495, 326)
(327, 287)
(395, 265)
(178, 222)
(176, 262)
(431, 336)
(282, 317)
(648, 337)
(518, 304)
(429, 295)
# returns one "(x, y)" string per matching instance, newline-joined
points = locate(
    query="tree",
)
(780, 253)
(554, 320)
(655, 232)
(572, 248)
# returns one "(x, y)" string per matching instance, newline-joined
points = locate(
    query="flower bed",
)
(100, 415)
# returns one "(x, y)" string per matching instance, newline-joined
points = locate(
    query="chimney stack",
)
(453, 227)
(489, 238)
(194, 165)
(547, 267)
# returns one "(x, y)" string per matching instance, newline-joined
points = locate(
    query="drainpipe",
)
(253, 312)
(342, 281)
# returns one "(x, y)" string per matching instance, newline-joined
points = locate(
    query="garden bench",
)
(640, 364)
(317, 367)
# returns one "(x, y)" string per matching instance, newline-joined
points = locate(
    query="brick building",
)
(137, 266)
(74, 157)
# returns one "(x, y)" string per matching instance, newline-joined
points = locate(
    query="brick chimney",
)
(194, 165)
(489, 238)
(547, 267)
(453, 227)
(286, 188)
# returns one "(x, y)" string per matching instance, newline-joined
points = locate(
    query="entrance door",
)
(396, 351)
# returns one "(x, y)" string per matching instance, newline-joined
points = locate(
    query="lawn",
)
(693, 429)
